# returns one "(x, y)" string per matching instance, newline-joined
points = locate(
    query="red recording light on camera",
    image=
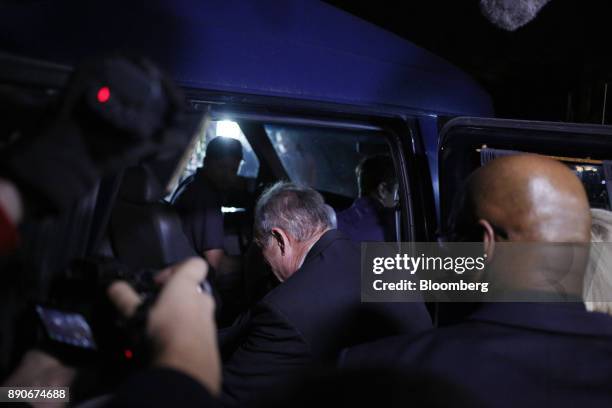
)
(103, 94)
(128, 354)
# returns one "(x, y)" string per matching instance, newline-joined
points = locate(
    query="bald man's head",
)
(526, 198)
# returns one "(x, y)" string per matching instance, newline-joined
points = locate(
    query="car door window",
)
(324, 158)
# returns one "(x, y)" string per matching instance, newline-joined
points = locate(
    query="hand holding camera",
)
(180, 323)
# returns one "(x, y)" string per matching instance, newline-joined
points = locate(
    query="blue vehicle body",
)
(294, 49)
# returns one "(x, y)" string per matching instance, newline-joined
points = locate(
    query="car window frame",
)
(401, 131)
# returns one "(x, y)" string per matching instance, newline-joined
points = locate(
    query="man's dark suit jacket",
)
(510, 355)
(307, 320)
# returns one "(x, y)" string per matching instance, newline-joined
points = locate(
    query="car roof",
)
(288, 48)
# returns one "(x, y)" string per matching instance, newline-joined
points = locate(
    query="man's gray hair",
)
(331, 214)
(298, 210)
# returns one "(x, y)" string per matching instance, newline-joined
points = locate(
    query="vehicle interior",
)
(310, 91)
(468, 143)
(129, 217)
(312, 144)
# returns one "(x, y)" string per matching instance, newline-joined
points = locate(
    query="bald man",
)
(509, 354)
(527, 199)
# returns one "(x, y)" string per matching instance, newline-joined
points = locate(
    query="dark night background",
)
(554, 68)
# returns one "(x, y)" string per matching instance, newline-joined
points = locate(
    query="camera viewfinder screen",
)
(67, 328)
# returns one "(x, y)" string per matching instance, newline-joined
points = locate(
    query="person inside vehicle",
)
(199, 198)
(519, 353)
(316, 310)
(371, 217)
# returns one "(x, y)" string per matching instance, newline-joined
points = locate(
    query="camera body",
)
(80, 326)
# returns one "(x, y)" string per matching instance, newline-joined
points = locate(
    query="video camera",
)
(115, 112)
(80, 326)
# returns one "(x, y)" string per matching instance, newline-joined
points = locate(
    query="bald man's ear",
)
(488, 238)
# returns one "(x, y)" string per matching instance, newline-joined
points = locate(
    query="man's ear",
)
(488, 238)
(281, 239)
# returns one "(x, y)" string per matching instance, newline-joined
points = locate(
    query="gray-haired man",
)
(316, 310)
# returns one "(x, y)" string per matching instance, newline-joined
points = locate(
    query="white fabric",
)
(511, 14)
(598, 278)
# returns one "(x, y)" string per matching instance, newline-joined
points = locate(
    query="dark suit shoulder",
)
(460, 340)
(389, 351)
(508, 347)
(337, 264)
(322, 300)
(319, 295)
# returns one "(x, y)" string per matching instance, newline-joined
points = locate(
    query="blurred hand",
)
(38, 369)
(181, 323)
(10, 200)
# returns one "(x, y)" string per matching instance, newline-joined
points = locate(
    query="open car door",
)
(467, 143)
